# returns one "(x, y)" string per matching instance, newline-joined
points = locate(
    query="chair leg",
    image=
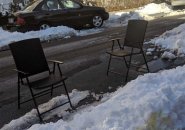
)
(22, 82)
(125, 62)
(53, 68)
(51, 91)
(110, 58)
(68, 95)
(126, 78)
(145, 61)
(34, 100)
(59, 70)
(18, 90)
(35, 103)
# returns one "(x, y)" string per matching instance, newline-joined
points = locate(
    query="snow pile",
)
(4, 5)
(31, 117)
(146, 12)
(168, 55)
(44, 35)
(131, 106)
(172, 40)
(154, 9)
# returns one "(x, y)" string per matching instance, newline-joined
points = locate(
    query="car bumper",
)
(106, 16)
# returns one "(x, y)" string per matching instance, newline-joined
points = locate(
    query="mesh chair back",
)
(135, 33)
(29, 56)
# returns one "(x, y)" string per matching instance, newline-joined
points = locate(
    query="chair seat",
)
(47, 81)
(119, 53)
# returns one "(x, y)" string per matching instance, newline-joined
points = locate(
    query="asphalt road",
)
(85, 64)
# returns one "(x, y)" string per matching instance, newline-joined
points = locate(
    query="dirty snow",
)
(130, 106)
(168, 55)
(31, 117)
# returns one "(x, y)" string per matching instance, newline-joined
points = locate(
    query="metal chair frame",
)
(24, 75)
(133, 42)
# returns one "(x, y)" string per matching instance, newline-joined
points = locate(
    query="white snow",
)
(130, 106)
(154, 9)
(44, 35)
(168, 55)
(4, 5)
(172, 40)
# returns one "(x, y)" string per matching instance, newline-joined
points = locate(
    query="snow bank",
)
(5, 4)
(172, 40)
(44, 35)
(154, 9)
(168, 55)
(130, 106)
(146, 12)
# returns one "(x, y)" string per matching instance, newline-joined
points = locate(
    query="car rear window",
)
(32, 6)
(51, 5)
(70, 4)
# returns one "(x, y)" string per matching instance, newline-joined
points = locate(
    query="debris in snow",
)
(109, 87)
(168, 55)
(150, 49)
(149, 53)
(31, 117)
(155, 57)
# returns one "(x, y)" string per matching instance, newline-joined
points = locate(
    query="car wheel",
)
(97, 21)
(44, 26)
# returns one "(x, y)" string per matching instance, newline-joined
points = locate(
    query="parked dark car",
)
(42, 14)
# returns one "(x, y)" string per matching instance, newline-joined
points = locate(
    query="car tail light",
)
(20, 21)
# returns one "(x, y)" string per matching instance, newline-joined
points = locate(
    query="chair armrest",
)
(56, 61)
(113, 39)
(58, 64)
(24, 73)
(118, 42)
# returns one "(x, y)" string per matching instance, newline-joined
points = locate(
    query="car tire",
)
(97, 21)
(43, 26)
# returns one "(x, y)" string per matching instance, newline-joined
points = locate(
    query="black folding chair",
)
(31, 64)
(134, 39)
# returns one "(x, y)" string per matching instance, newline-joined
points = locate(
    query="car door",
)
(52, 13)
(74, 12)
